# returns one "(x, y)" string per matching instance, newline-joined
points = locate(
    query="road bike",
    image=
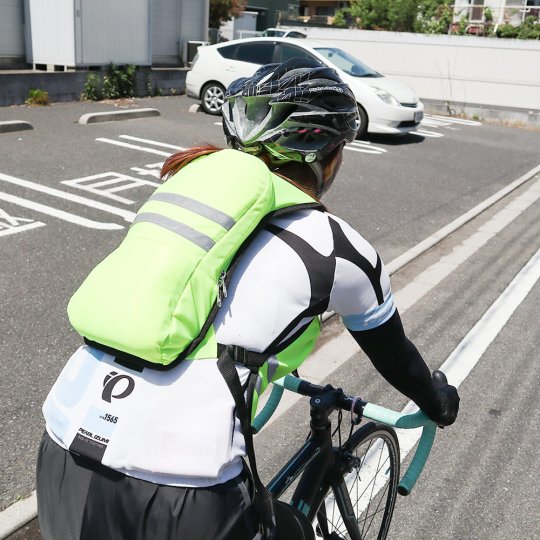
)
(347, 490)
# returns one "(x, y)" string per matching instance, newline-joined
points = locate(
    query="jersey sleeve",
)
(361, 292)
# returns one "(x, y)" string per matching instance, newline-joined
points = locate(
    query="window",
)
(290, 51)
(296, 35)
(326, 11)
(477, 13)
(228, 52)
(346, 62)
(256, 53)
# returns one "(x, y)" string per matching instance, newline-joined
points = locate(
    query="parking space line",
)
(365, 147)
(148, 141)
(426, 133)
(4, 231)
(454, 120)
(125, 214)
(433, 122)
(134, 147)
(60, 214)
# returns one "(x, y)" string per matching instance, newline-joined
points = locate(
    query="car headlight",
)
(383, 95)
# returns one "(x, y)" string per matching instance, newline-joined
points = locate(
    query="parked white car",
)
(283, 32)
(385, 105)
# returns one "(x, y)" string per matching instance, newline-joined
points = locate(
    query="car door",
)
(248, 58)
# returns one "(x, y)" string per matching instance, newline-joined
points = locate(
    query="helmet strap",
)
(317, 169)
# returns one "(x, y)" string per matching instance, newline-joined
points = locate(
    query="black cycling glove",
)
(397, 359)
(445, 406)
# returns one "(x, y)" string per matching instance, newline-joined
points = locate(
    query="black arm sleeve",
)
(396, 358)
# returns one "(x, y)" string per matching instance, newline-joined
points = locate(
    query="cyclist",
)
(181, 473)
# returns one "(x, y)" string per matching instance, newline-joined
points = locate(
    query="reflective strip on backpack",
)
(198, 238)
(219, 217)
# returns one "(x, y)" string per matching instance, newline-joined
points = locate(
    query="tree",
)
(434, 16)
(224, 10)
(393, 15)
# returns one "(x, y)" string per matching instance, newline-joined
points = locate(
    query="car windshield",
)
(273, 33)
(347, 63)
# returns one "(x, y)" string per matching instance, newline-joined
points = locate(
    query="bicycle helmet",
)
(299, 110)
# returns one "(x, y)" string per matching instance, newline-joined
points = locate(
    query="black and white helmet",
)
(296, 111)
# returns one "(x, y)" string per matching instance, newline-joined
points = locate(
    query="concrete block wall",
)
(68, 86)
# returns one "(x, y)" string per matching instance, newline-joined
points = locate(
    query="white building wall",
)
(193, 22)
(11, 29)
(53, 35)
(174, 23)
(113, 31)
(458, 69)
(89, 32)
(165, 31)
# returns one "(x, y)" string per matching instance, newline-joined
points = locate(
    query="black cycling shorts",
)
(81, 500)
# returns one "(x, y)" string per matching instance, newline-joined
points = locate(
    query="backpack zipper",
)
(222, 287)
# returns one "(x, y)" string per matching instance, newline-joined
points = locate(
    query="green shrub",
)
(462, 25)
(339, 19)
(530, 29)
(92, 88)
(507, 31)
(119, 82)
(37, 97)
(434, 17)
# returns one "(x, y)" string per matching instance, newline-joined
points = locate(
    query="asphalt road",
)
(480, 483)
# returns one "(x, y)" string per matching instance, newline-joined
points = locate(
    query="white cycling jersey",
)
(177, 427)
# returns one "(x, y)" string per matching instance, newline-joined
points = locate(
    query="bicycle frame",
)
(316, 462)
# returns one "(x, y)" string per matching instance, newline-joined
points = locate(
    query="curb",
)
(14, 125)
(17, 515)
(92, 118)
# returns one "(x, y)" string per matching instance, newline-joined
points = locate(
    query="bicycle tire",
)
(368, 445)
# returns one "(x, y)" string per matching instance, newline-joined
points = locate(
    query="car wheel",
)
(212, 98)
(362, 130)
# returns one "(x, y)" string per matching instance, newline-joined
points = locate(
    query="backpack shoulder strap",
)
(228, 355)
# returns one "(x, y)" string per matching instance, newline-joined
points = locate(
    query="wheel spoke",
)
(371, 487)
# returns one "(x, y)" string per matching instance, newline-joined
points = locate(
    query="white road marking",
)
(454, 120)
(148, 141)
(20, 228)
(125, 214)
(108, 183)
(134, 147)
(154, 170)
(432, 122)
(471, 349)
(426, 133)
(13, 225)
(60, 214)
(365, 147)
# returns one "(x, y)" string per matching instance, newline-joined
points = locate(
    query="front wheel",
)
(362, 130)
(358, 502)
(212, 98)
